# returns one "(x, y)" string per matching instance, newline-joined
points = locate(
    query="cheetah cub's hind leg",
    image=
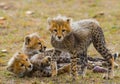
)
(100, 45)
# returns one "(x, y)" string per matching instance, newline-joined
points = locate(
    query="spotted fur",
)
(37, 66)
(75, 38)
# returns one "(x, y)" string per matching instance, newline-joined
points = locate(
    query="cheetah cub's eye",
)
(63, 30)
(55, 30)
(22, 65)
(39, 43)
(26, 59)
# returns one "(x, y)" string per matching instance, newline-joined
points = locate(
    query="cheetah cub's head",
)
(34, 42)
(19, 64)
(59, 27)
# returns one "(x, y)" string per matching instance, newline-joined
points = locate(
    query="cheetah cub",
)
(33, 44)
(19, 64)
(75, 38)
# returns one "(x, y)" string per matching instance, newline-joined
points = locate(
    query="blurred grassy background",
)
(21, 17)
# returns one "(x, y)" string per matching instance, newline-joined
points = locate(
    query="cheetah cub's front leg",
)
(74, 67)
(83, 64)
(54, 62)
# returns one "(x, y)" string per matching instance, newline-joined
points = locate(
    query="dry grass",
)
(18, 24)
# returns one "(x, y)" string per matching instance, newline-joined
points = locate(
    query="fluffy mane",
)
(34, 34)
(60, 18)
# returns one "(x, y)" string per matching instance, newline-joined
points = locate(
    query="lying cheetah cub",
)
(33, 44)
(19, 64)
(22, 66)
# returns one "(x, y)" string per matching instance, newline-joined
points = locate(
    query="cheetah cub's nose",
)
(44, 47)
(59, 37)
(30, 66)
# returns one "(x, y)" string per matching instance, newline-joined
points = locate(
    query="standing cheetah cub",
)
(75, 38)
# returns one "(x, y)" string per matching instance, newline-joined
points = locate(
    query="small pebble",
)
(2, 4)
(4, 51)
(99, 14)
(29, 12)
(2, 18)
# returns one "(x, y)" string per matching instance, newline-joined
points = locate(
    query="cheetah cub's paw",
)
(108, 76)
(54, 68)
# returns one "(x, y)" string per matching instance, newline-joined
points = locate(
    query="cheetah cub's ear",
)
(69, 20)
(10, 68)
(50, 21)
(27, 40)
(17, 55)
